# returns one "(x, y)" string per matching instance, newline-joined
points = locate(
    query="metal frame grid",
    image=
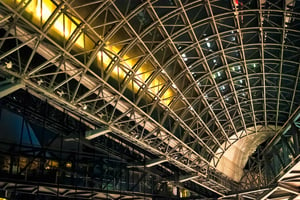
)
(214, 70)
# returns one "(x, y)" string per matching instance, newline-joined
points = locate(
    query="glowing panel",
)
(39, 11)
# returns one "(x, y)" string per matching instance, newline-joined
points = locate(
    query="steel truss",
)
(62, 164)
(228, 67)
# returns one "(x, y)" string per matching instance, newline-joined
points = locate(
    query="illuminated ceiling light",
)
(8, 65)
(208, 44)
(206, 39)
(40, 82)
(227, 99)
(155, 98)
(184, 57)
(233, 38)
(254, 65)
(216, 75)
(241, 81)
(92, 134)
(222, 87)
(68, 164)
(236, 68)
(60, 93)
(154, 162)
(174, 86)
(84, 107)
(215, 61)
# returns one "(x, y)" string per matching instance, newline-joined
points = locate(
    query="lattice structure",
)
(183, 80)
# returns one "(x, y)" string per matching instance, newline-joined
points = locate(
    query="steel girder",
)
(228, 66)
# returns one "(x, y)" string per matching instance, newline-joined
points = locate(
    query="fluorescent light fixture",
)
(187, 178)
(154, 162)
(89, 135)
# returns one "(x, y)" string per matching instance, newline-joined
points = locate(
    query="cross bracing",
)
(184, 80)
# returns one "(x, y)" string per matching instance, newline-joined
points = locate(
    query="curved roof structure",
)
(188, 81)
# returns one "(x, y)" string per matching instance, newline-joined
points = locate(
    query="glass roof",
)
(185, 78)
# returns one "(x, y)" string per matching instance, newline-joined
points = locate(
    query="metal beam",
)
(284, 129)
(10, 88)
(5, 18)
(154, 162)
(187, 178)
(92, 134)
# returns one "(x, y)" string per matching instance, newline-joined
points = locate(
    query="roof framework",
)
(182, 79)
